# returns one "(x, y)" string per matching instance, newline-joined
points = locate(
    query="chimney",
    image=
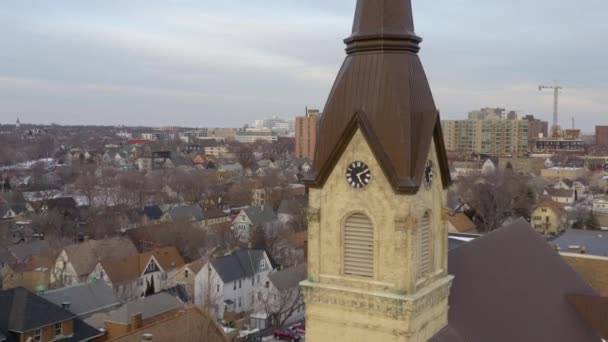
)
(137, 321)
(66, 306)
(147, 337)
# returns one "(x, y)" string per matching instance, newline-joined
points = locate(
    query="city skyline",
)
(202, 64)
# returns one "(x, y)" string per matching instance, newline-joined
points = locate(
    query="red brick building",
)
(306, 134)
(601, 135)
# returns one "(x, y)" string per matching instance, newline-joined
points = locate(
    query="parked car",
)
(286, 335)
(300, 328)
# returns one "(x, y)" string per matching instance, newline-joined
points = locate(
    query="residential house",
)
(76, 262)
(579, 186)
(251, 218)
(138, 314)
(13, 212)
(185, 276)
(187, 325)
(460, 223)
(151, 214)
(562, 196)
(565, 184)
(259, 197)
(600, 212)
(185, 214)
(201, 160)
(139, 275)
(488, 167)
(24, 316)
(121, 160)
(227, 283)
(279, 299)
(549, 218)
(32, 273)
(24, 250)
(85, 300)
(143, 164)
(215, 217)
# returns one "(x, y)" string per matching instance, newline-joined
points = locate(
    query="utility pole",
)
(556, 88)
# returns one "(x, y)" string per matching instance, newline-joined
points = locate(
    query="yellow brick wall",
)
(395, 285)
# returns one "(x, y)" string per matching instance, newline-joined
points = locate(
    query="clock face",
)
(428, 173)
(358, 174)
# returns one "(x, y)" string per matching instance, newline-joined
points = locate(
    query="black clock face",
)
(428, 173)
(358, 174)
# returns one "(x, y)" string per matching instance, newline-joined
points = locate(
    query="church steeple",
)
(383, 25)
(377, 233)
(383, 90)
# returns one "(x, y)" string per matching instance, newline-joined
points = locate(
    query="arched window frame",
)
(349, 270)
(425, 245)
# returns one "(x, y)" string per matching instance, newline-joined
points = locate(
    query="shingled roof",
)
(382, 89)
(241, 264)
(84, 256)
(22, 311)
(85, 299)
(121, 270)
(511, 285)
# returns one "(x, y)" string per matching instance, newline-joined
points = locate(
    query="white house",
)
(279, 298)
(488, 168)
(227, 283)
(563, 196)
(600, 205)
(250, 218)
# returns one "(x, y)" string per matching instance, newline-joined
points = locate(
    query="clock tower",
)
(377, 261)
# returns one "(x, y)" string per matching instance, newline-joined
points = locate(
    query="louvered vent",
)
(359, 246)
(424, 232)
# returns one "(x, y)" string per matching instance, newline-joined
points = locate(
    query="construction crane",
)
(556, 88)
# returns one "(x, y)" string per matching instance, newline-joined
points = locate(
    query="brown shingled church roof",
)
(383, 90)
(511, 285)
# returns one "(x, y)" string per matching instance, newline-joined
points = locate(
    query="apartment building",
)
(488, 136)
(306, 134)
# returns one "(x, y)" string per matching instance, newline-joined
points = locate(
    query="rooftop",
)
(85, 299)
(573, 240)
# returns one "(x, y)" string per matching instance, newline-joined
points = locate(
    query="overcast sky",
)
(226, 63)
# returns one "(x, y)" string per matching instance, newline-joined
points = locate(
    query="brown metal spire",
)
(383, 91)
(383, 25)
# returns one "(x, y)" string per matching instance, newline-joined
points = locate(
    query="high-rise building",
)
(306, 134)
(536, 129)
(601, 135)
(562, 141)
(487, 113)
(488, 136)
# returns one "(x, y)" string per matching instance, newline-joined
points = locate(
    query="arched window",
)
(425, 253)
(358, 258)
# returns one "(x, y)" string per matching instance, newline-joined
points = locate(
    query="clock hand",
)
(359, 175)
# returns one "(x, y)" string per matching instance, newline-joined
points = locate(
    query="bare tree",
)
(86, 184)
(280, 305)
(240, 193)
(496, 197)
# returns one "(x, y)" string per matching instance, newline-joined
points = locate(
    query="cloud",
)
(202, 61)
